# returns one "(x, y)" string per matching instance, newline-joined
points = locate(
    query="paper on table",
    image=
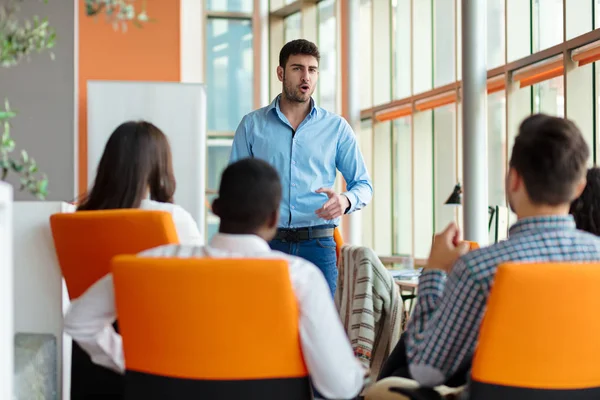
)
(405, 274)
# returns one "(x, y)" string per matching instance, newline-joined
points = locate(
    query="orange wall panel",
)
(150, 53)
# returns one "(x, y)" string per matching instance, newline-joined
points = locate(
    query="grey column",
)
(351, 82)
(474, 112)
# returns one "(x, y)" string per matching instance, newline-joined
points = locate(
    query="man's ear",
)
(280, 73)
(580, 187)
(513, 180)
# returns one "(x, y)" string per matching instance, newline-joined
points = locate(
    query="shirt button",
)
(293, 184)
(293, 162)
(293, 207)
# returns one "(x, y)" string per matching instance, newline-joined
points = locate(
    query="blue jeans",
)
(320, 252)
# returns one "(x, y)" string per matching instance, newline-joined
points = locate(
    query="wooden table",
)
(391, 260)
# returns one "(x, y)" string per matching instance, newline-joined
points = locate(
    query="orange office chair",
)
(86, 242)
(472, 245)
(339, 241)
(218, 329)
(534, 343)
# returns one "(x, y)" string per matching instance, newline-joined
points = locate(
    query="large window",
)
(495, 33)
(366, 45)
(445, 164)
(444, 43)
(328, 48)
(541, 57)
(245, 6)
(547, 24)
(402, 186)
(293, 27)
(230, 86)
(229, 72)
(423, 183)
(549, 98)
(496, 155)
(401, 24)
(218, 156)
(366, 145)
(422, 62)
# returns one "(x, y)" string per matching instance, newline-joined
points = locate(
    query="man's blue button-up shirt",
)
(306, 160)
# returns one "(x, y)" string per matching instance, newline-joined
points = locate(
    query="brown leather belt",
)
(300, 234)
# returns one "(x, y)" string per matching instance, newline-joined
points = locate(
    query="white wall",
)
(6, 293)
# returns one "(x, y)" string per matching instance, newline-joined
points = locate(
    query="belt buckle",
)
(292, 236)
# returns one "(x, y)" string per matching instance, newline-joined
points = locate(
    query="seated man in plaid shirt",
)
(547, 172)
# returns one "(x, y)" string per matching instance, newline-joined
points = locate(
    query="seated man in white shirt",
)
(248, 206)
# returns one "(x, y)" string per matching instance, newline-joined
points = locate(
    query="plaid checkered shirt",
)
(443, 331)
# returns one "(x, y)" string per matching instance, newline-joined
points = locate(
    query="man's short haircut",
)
(249, 193)
(298, 46)
(586, 209)
(550, 154)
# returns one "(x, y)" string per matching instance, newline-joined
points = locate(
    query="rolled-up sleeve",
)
(350, 162)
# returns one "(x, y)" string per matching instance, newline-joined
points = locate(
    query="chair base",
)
(143, 386)
(479, 391)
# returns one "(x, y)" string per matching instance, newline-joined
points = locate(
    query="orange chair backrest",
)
(541, 328)
(210, 319)
(339, 241)
(472, 245)
(86, 241)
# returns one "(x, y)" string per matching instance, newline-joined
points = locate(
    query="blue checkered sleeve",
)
(443, 330)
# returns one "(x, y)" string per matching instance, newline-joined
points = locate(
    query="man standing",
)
(306, 144)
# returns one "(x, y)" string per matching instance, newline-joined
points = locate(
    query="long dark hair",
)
(137, 157)
(586, 208)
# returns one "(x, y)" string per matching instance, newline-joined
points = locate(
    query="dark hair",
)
(550, 155)
(137, 157)
(250, 192)
(586, 209)
(295, 47)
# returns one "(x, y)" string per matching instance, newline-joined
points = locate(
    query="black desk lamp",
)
(456, 200)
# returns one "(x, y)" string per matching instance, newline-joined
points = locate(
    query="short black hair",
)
(586, 209)
(249, 193)
(550, 154)
(298, 46)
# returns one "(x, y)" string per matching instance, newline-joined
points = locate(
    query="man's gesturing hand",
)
(334, 207)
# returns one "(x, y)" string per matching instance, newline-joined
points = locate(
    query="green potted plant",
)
(19, 38)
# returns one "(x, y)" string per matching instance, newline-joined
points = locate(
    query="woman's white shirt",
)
(186, 227)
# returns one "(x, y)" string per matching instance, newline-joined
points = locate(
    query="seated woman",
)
(586, 209)
(135, 171)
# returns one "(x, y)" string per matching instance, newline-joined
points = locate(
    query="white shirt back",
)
(330, 360)
(186, 227)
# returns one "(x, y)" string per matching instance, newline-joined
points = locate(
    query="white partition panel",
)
(6, 293)
(178, 109)
(39, 302)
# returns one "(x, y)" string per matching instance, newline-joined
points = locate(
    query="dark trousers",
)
(397, 365)
(91, 381)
